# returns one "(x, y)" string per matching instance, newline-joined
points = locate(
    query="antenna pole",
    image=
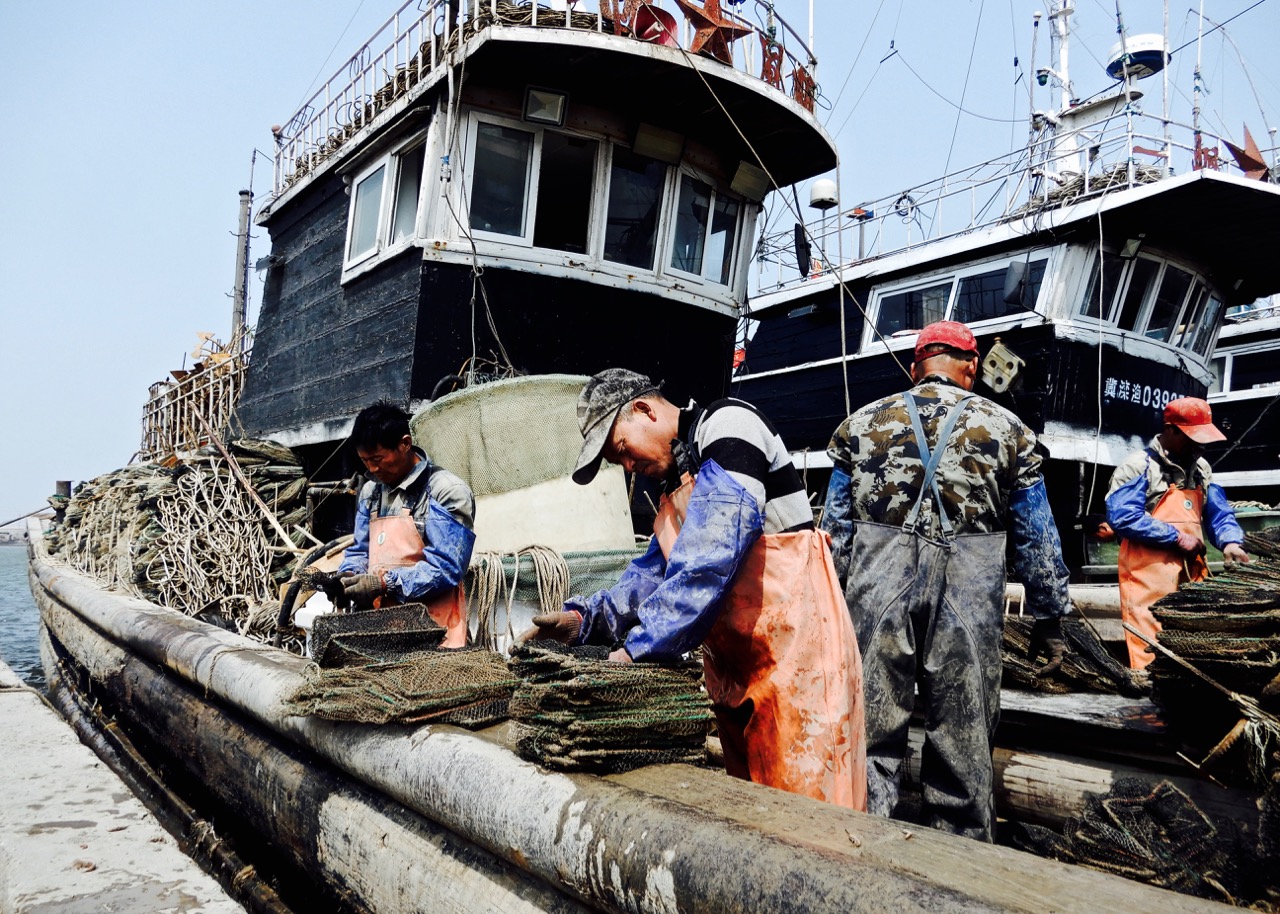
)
(1198, 159)
(1128, 95)
(1164, 96)
(239, 299)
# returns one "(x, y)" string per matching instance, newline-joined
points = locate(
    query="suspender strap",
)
(931, 459)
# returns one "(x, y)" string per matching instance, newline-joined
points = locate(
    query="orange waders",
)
(394, 542)
(782, 666)
(1147, 573)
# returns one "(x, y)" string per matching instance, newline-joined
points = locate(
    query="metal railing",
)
(1054, 170)
(169, 423)
(419, 36)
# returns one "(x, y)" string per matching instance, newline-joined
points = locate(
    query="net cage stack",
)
(189, 535)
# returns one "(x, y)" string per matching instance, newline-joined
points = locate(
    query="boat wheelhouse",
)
(1103, 280)
(489, 188)
(1243, 394)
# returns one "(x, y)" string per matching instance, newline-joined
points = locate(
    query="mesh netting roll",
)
(467, 687)
(574, 710)
(1087, 668)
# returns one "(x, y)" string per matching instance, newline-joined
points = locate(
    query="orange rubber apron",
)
(782, 666)
(394, 542)
(1147, 573)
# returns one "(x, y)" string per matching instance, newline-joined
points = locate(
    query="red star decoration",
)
(1250, 158)
(713, 33)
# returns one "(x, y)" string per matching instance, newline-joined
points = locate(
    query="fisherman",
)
(1158, 503)
(736, 567)
(924, 486)
(413, 536)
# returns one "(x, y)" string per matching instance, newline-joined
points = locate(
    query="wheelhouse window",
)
(705, 230)
(913, 309)
(500, 179)
(365, 210)
(1255, 370)
(1168, 303)
(384, 203)
(567, 170)
(1141, 278)
(981, 297)
(1157, 299)
(635, 208)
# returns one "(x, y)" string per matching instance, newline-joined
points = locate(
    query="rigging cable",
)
(964, 90)
(856, 58)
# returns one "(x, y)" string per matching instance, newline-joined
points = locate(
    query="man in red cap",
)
(1158, 503)
(925, 487)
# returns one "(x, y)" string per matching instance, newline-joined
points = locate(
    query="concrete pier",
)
(73, 839)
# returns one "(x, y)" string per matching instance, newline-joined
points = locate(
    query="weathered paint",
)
(711, 843)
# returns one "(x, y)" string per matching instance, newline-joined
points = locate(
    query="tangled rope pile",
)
(574, 710)
(468, 688)
(489, 584)
(190, 536)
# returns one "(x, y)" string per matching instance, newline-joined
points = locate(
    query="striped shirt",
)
(744, 443)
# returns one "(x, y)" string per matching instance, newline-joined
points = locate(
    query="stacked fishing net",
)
(574, 710)
(465, 687)
(1224, 705)
(1088, 667)
(189, 536)
(1154, 834)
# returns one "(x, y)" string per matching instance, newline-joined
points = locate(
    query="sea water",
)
(19, 618)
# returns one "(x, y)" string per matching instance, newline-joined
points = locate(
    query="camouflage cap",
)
(602, 398)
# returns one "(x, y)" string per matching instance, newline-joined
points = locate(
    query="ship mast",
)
(239, 291)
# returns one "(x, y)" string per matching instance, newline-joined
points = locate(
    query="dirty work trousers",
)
(930, 614)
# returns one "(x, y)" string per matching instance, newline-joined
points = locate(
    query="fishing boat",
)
(438, 221)
(1081, 262)
(1243, 394)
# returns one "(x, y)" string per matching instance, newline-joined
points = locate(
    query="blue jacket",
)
(445, 532)
(1141, 481)
(662, 608)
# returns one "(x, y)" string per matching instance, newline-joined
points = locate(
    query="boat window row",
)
(1151, 296)
(973, 294)
(1246, 370)
(557, 190)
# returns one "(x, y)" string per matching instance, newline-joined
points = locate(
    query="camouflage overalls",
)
(925, 589)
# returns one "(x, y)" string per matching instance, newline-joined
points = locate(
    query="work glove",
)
(1190, 543)
(1047, 640)
(362, 589)
(561, 626)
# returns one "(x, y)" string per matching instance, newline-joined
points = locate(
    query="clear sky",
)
(130, 128)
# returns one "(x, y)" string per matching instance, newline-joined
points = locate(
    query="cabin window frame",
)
(955, 276)
(1187, 306)
(392, 162)
(670, 215)
(1229, 356)
(594, 233)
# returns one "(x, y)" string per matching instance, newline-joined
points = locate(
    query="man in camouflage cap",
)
(737, 567)
(925, 485)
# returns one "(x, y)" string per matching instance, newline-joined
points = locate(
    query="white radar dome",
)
(1146, 53)
(823, 194)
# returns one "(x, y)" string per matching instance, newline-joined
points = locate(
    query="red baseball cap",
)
(942, 335)
(1194, 419)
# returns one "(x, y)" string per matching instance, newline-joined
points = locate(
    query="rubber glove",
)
(561, 626)
(1047, 640)
(362, 589)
